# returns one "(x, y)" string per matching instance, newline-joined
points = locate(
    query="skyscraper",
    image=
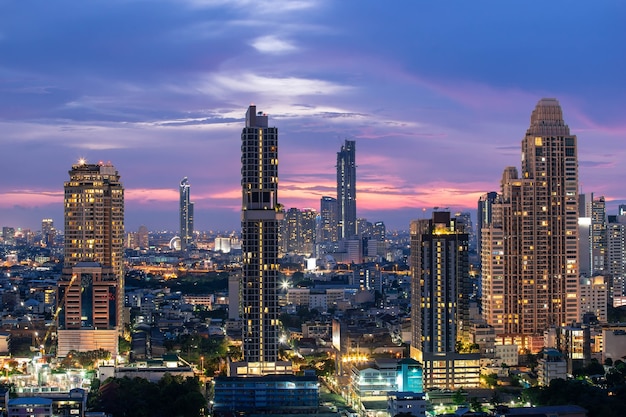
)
(260, 219)
(48, 232)
(346, 190)
(440, 289)
(90, 296)
(483, 216)
(186, 214)
(530, 267)
(328, 220)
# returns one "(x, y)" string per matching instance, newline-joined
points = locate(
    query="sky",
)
(436, 94)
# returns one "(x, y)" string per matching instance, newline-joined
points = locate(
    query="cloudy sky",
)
(437, 95)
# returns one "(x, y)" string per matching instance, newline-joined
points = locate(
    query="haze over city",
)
(436, 96)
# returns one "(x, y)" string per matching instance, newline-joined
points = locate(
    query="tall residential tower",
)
(90, 297)
(440, 290)
(260, 218)
(530, 249)
(346, 190)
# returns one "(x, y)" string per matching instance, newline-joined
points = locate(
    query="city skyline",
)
(434, 95)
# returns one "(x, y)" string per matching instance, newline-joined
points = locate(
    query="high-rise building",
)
(142, 238)
(530, 265)
(346, 190)
(616, 257)
(483, 216)
(260, 219)
(186, 215)
(440, 289)
(328, 220)
(48, 232)
(90, 293)
(8, 235)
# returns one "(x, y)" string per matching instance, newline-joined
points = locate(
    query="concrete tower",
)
(530, 273)
(346, 190)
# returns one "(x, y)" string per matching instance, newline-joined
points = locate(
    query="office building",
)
(346, 190)
(186, 214)
(90, 296)
(260, 217)
(529, 250)
(440, 288)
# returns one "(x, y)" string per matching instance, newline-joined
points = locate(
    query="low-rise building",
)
(270, 393)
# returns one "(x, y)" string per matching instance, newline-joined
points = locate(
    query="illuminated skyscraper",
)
(328, 220)
(346, 190)
(260, 219)
(440, 289)
(530, 249)
(186, 215)
(90, 293)
(48, 232)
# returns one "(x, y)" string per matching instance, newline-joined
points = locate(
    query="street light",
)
(202, 365)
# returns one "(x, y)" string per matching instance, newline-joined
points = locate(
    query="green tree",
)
(459, 397)
(476, 405)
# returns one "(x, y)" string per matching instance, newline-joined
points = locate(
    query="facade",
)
(87, 319)
(440, 288)
(186, 214)
(260, 217)
(346, 190)
(90, 292)
(532, 282)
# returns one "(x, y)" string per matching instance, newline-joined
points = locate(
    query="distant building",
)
(8, 236)
(346, 190)
(48, 233)
(185, 214)
(328, 220)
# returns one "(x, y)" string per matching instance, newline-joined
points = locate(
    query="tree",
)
(459, 397)
(491, 380)
(476, 405)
